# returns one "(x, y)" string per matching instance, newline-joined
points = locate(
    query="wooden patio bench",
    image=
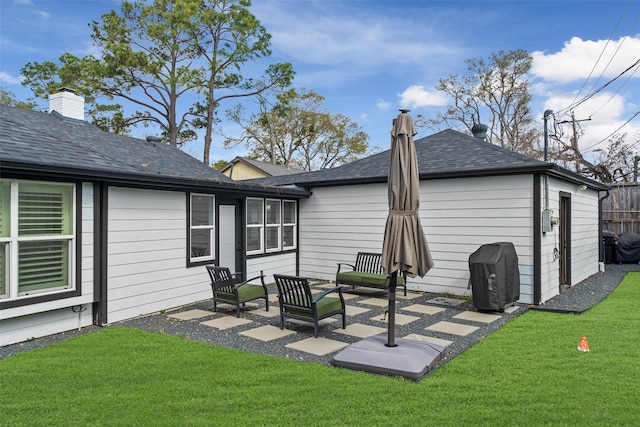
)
(367, 272)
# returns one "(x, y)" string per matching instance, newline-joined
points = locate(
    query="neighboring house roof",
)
(48, 142)
(446, 154)
(268, 169)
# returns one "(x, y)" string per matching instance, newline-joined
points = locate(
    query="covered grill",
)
(494, 276)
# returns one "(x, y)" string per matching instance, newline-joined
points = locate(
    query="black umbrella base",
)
(409, 358)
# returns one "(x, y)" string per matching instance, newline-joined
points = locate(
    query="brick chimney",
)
(67, 103)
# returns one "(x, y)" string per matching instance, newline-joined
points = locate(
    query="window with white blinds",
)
(37, 241)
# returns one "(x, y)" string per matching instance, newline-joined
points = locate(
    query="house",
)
(242, 168)
(97, 227)
(471, 193)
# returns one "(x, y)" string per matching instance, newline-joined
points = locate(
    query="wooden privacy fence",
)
(621, 210)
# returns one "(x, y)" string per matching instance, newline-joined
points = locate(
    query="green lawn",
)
(528, 373)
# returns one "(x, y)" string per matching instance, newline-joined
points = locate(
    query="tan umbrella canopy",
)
(405, 247)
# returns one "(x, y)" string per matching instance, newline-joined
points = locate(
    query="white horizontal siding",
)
(281, 264)
(147, 254)
(458, 216)
(87, 239)
(584, 238)
(42, 324)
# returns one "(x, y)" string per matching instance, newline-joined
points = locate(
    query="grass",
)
(528, 373)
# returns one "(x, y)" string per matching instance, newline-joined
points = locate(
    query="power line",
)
(592, 94)
(614, 132)
(600, 56)
(615, 93)
(611, 60)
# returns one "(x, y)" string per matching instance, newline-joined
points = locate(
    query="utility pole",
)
(547, 114)
(574, 141)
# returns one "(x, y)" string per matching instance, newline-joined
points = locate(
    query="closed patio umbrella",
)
(405, 248)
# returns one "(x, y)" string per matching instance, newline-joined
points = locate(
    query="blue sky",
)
(371, 58)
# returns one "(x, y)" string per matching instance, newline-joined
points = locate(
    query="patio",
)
(419, 316)
(446, 321)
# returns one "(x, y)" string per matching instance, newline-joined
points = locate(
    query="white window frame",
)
(11, 243)
(265, 226)
(277, 226)
(293, 225)
(258, 226)
(211, 228)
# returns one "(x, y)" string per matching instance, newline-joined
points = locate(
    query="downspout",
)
(101, 197)
(547, 113)
(537, 241)
(601, 246)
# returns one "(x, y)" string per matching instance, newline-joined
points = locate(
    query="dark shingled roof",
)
(31, 140)
(446, 154)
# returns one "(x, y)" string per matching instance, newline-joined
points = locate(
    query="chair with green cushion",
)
(231, 289)
(297, 302)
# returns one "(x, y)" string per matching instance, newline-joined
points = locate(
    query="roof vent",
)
(152, 140)
(479, 131)
(67, 103)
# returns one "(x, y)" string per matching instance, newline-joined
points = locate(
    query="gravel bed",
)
(576, 299)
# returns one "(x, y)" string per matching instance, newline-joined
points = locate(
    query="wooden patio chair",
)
(231, 289)
(297, 302)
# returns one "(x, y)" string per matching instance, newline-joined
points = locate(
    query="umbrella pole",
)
(391, 332)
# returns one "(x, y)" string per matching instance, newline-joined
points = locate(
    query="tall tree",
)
(154, 55)
(76, 73)
(228, 36)
(297, 131)
(493, 92)
(148, 59)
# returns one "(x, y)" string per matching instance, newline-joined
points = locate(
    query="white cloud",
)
(343, 36)
(596, 119)
(417, 96)
(576, 60)
(9, 79)
(383, 105)
(604, 107)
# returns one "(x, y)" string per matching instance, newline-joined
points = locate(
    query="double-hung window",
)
(271, 225)
(255, 226)
(37, 238)
(274, 224)
(202, 227)
(288, 224)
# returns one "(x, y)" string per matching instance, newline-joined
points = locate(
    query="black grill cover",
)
(494, 276)
(627, 248)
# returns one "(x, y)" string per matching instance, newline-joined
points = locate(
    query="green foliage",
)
(528, 373)
(228, 37)
(297, 131)
(8, 98)
(220, 164)
(154, 54)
